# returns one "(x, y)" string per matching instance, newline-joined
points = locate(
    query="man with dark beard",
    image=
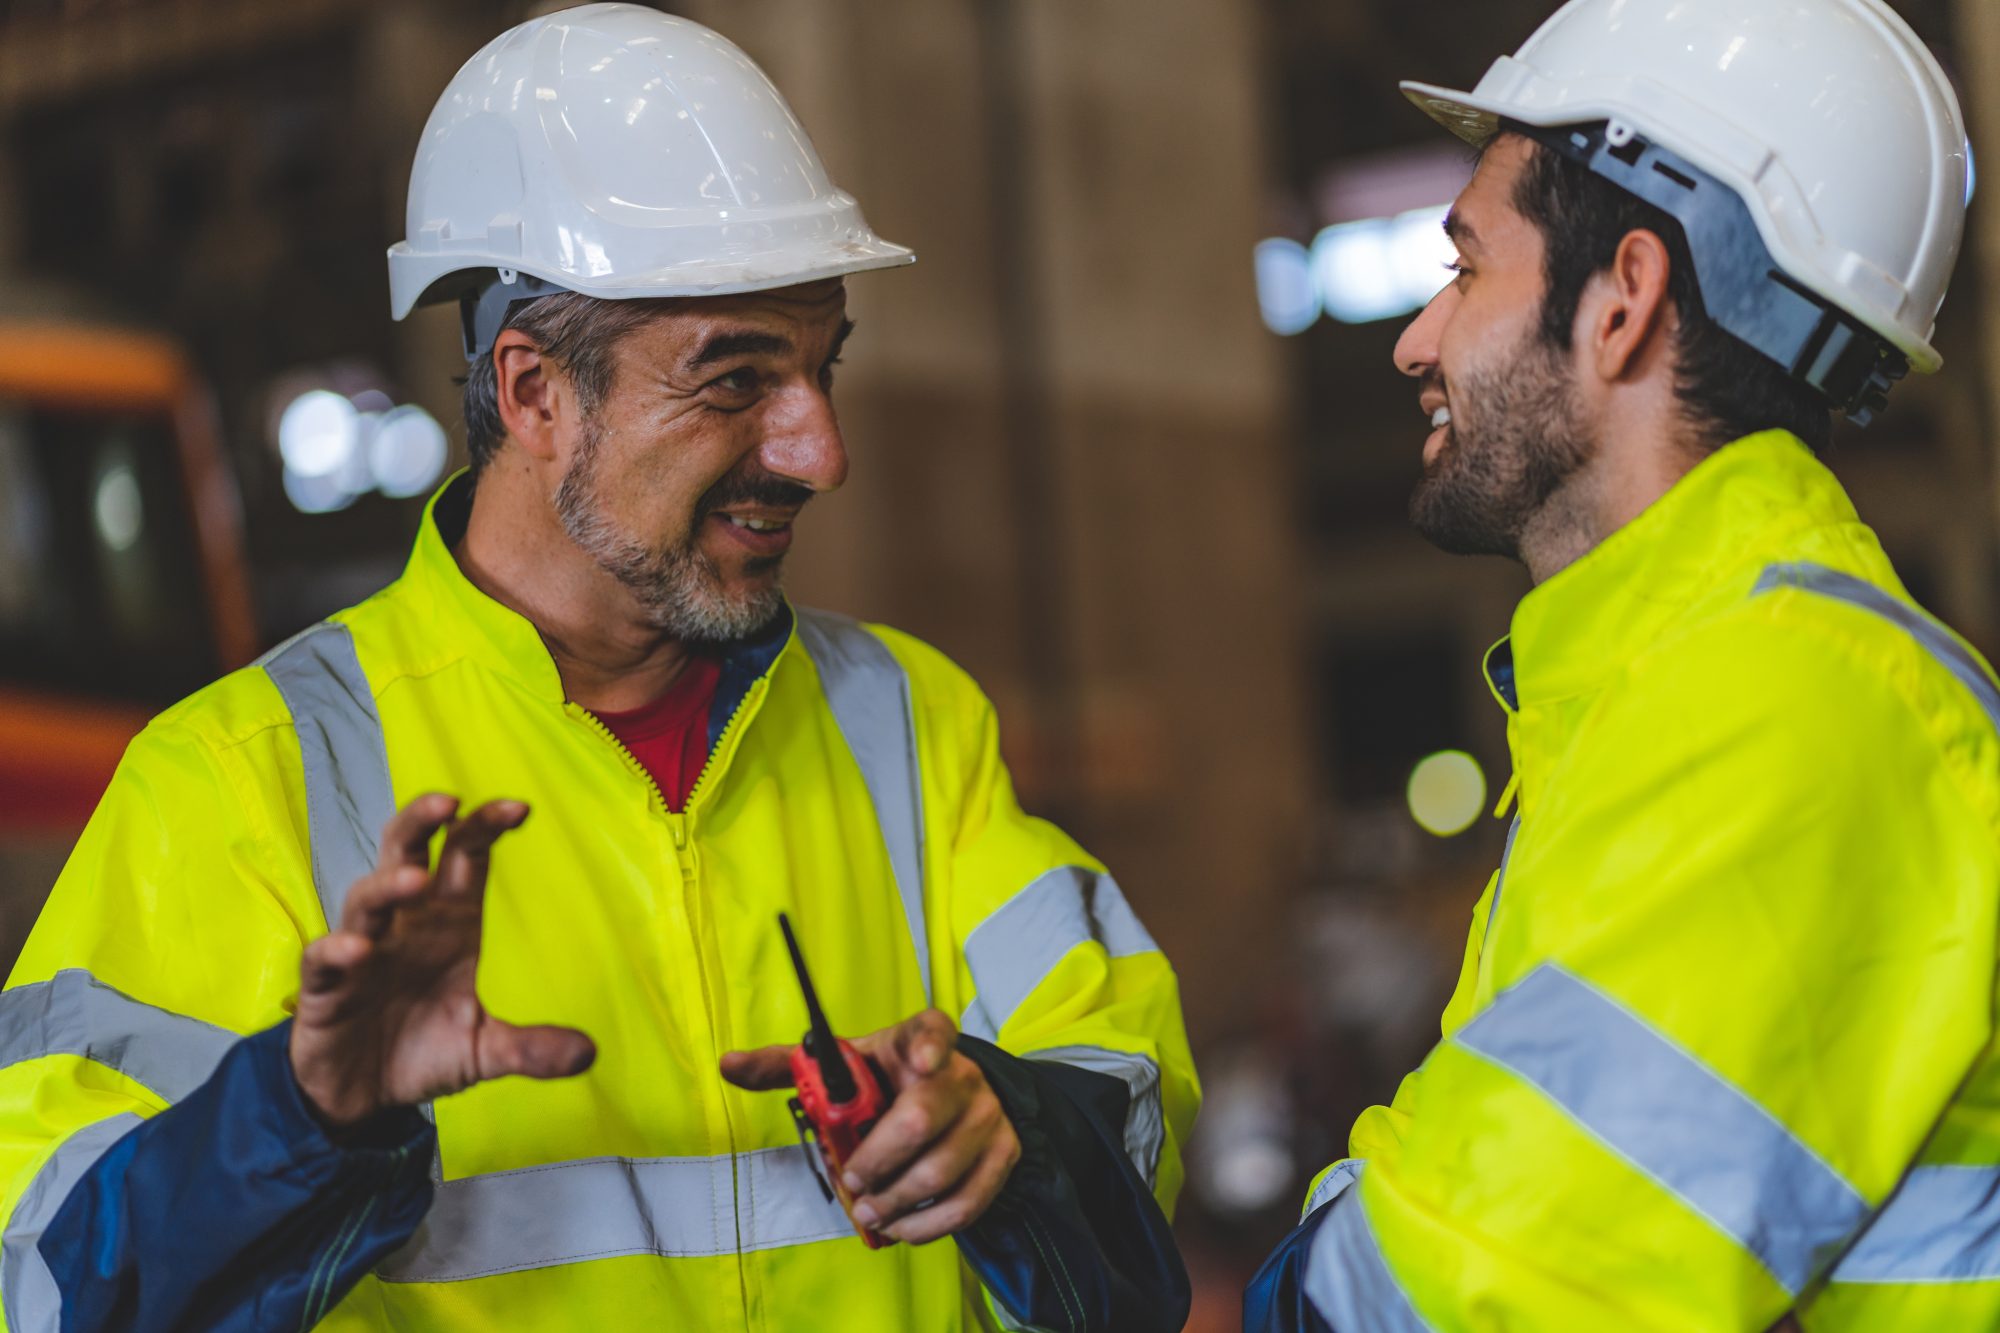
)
(258, 1046)
(1722, 1053)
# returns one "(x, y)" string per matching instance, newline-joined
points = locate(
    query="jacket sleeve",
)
(1723, 1003)
(1079, 1013)
(158, 1169)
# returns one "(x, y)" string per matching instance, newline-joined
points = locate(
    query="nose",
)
(1417, 350)
(804, 444)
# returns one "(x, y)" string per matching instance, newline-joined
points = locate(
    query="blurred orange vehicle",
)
(122, 580)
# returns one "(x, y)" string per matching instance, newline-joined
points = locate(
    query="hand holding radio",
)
(934, 1146)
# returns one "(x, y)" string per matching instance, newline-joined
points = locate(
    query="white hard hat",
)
(620, 152)
(1828, 119)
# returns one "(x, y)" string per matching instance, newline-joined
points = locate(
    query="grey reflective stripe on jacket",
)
(1013, 951)
(869, 694)
(1349, 1282)
(348, 796)
(1930, 635)
(73, 1013)
(1682, 1124)
(598, 1207)
(1940, 1225)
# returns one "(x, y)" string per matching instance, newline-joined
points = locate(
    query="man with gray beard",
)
(318, 1029)
(1722, 1051)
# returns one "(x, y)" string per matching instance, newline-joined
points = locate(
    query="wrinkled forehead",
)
(697, 332)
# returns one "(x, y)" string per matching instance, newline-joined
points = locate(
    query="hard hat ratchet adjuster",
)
(1742, 289)
(483, 311)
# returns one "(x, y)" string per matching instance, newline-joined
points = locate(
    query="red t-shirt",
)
(669, 736)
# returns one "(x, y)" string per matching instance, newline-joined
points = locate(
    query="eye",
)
(1459, 270)
(826, 372)
(739, 381)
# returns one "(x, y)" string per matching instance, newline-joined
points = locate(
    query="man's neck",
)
(1625, 477)
(610, 658)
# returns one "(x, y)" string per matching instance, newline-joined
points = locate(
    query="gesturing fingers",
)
(372, 902)
(406, 838)
(330, 977)
(538, 1051)
(462, 864)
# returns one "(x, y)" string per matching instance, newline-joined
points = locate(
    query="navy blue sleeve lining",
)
(1076, 1241)
(233, 1210)
(1275, 1301)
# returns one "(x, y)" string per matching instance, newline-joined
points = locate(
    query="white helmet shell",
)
(620, 152)
(1829, 117)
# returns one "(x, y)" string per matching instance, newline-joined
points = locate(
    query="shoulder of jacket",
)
(223, 714)
(1830, 673)
(935, 679)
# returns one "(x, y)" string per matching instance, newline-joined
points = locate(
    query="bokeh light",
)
(1447, 791)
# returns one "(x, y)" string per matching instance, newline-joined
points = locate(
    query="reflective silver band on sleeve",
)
(869, 694)
(33, 1300)
(348, 794)
(73, 1013)
(600, 1207)
(1941, 1225)
(1145, 1123)
(1012, 951)
(1674, 1119)
(1336, 1182)
(1932, 636)
(1349, 1282)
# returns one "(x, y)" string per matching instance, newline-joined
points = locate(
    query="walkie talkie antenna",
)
(820, 1043)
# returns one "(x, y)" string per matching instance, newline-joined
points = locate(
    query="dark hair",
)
(1727, 388)
(578, 333)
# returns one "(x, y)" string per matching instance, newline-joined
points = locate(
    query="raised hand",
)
(939, 1155)
(388, 1014)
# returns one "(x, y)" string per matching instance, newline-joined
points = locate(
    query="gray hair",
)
(578, 333)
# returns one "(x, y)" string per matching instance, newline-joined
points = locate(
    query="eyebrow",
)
(723, 346)
(1461, 232)
(727, 346)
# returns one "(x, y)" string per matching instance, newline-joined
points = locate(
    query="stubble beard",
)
(1515, 440)
(679, 588)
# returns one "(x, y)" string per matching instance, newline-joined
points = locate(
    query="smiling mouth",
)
(1441, 418)
(758, 524)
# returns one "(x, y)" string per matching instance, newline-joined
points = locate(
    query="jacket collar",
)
(1714, 528)
(467, 623)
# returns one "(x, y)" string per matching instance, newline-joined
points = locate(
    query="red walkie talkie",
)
(841, 1093)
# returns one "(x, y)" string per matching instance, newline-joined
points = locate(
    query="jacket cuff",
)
(235, 1209)
(1075, 1239)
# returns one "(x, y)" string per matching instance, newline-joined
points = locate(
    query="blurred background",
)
(1127, 442)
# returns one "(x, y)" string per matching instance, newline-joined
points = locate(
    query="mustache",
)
(757, 487)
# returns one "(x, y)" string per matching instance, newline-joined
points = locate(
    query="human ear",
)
(1630, 321)
(525, 393)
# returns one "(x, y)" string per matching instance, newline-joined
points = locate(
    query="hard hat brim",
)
(1466, 115)
(421, 279)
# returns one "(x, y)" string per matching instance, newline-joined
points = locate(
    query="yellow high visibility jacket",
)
(857, 785)
(1723, 1044)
